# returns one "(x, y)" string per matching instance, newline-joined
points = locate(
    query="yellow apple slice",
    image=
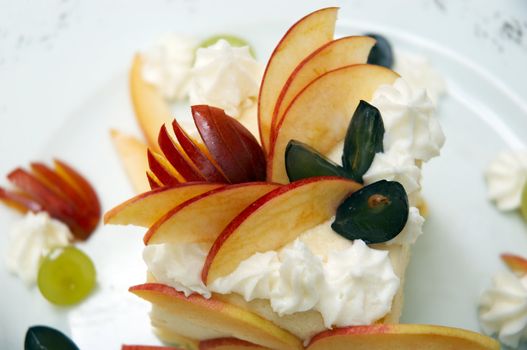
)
(401, 337)
(275, 220)
(335, 54)
(304, 37)
(229, 344)
(218, 316)
(203, 218)
(319, 115)
(132, 153)
(151, 109)
(517, 264)
(146, 208)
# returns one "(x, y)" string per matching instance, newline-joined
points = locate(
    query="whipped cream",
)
(420, 74)
(167, 65)
(350, 284)
(412, 230)
(503, 308)
(409, 120)
(31, 239)
(506, 177)
(226, 77)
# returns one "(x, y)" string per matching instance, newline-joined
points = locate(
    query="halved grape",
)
(524, 202)
(231, 39)
(381, 53)
(66, 276)
(47, 338)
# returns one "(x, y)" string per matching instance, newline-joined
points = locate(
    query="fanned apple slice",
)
(319, 115)
(275, 220)
(132, 153)
(163, 170)
(229, 344)
(148, 347)
(151, 109)
(335, 54)
(304, 37)
(401, 337)
(203, 218)
(517, 264)
(153, 181)
(146, 208)
(219, 316)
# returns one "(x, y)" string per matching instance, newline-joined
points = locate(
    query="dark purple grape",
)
(381, 54)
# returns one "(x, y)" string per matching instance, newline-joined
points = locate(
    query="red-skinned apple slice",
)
(319, 115)
(162, 169)
(203, 218)
(227, 147)
(131, 152)
(275, 220)
(229, 344)
(203, 162)
(153, 181)
(151, 109)
(401, 337)
(148, 347)
(19, 201)
(304, 37)
(146, 208)
(217, 315)
(515, 263)
(335, 54)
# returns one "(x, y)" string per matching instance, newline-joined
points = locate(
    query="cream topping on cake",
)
(31, 239)
(167, 65)
(506, 176)
(226, 77)
(503, 308)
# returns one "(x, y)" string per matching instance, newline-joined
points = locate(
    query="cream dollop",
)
(503, 308)
(412, 230)
(409, 120)
(178, 265)
(31, 239)
(506, 177)
(226, 77)
(167, 65)
(420, 74)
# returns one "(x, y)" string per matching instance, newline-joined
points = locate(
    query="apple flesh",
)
(401, 337)
(148, 347)
(203, 218)
(147, 208)
(229, 344)
(335, 54)
(304, 37)
(319, 115)
(217, 315)
(517, 264)
(275, 220)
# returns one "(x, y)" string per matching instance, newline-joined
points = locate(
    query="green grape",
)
(231, 39)
(66, 276)
(524, 202)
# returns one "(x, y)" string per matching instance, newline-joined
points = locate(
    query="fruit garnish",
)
(381, 54)
(66, 276)
(303, 161)
(233, 40)
(363, 139)
(524, 202)
(376, 213)
(231, 153)
(47, 338)
(62, 192)
(148, 347)
(517, 264)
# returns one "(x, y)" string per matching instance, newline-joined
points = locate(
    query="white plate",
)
(452, 263)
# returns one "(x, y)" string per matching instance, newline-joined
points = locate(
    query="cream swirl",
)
(167, 65)
(412, 230)
(506, 176)
(503, 308)
(31, 239)
(409, 120)
(226, 77)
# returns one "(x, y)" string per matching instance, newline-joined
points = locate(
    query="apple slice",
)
(275, 220)
(401, 337)
(335, 54)
(153, 181)
(163, 170)
(515, 263)
(319, 115)
(148, 347)
(151, 109)
(147, 208)
(132, 153)
(203, 218)
(229, 344)
(219, 316)
(304, 37)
